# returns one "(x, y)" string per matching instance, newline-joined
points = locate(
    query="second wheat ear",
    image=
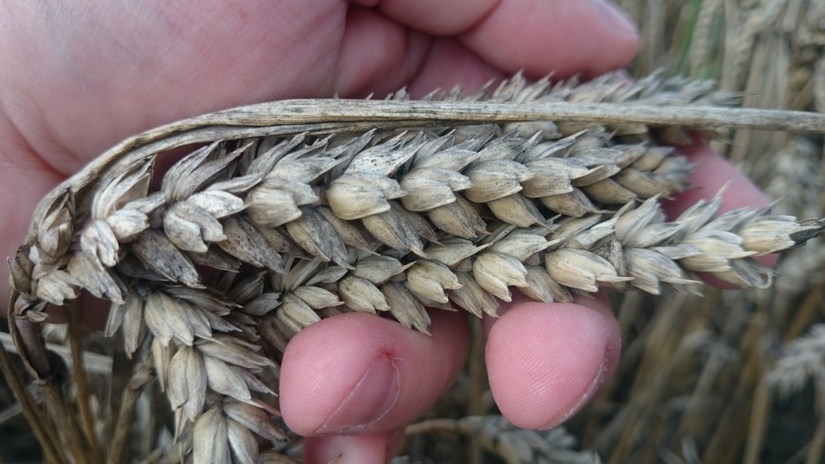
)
(291, 212)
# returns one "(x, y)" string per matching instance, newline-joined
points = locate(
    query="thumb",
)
(358, 373)
(546, 361)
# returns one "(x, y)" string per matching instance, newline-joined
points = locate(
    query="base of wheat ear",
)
(291, 212)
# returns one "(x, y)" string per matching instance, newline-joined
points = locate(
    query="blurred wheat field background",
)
(724, 378)
(731, 377)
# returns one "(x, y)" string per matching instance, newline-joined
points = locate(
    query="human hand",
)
(79, 76)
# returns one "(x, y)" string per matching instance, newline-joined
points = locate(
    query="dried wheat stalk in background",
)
(771, 52)
(298, 211)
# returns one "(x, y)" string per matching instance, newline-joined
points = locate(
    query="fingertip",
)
(564, 37)
(358, 373)
(546, 361)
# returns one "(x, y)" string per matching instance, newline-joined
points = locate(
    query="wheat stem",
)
(81, 380)
(41, 427)
(142, 375)
(32, 351)
(413, 113)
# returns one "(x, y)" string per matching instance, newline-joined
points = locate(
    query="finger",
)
(564, 37)
(711, 174)
(436, 17)
(358, 373)
(355, 449)
(379, 55)
(539, 36)
(24, 179)
(546, 361)
(449, 64)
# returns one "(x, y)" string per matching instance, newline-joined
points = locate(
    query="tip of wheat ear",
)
(271, 227)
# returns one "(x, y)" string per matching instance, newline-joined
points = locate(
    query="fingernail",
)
(595, 385)
(614, 18)
(369, 401)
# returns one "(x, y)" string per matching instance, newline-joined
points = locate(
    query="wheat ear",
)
(306, 209)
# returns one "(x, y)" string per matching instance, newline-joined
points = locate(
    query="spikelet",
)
(272, 226)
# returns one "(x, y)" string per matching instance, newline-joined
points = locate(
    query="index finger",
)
(710, 174)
